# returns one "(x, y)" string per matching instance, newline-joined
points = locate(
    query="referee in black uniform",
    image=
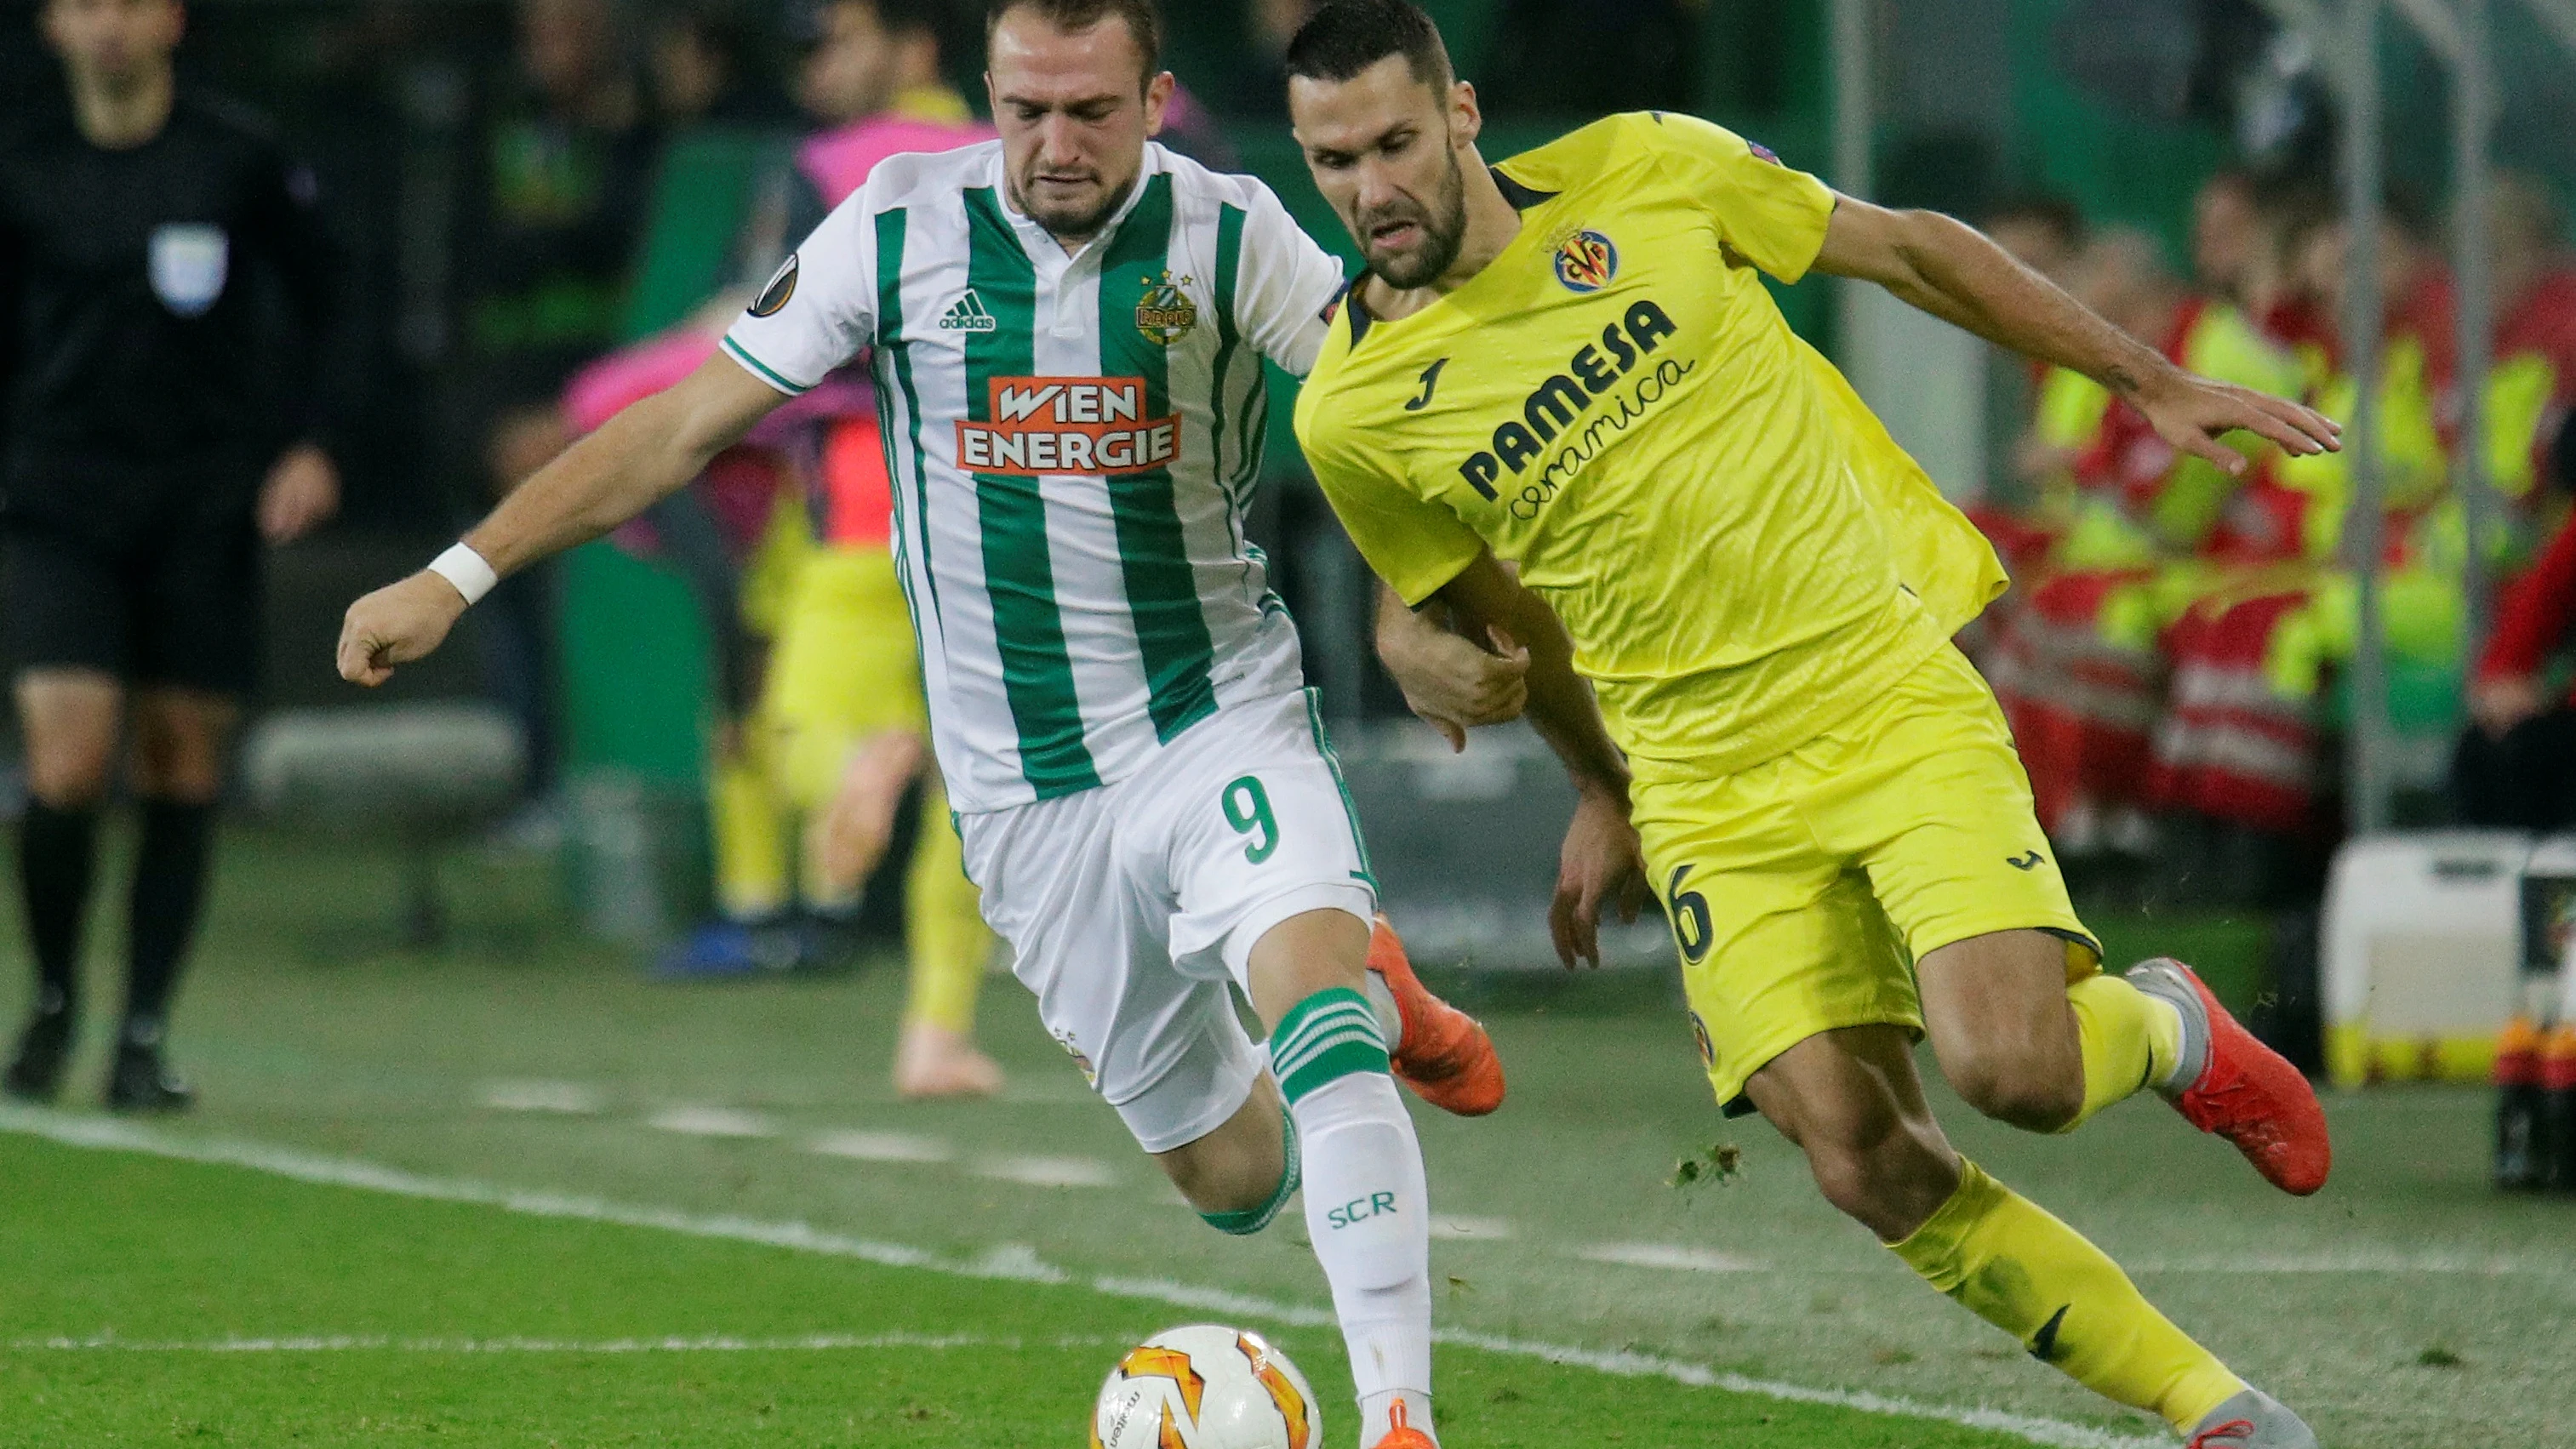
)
(146, 452)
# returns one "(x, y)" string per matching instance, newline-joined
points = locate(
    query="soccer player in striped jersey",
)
(1068, 329)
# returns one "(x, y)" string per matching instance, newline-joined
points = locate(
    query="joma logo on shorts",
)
(1555, 404)
(1360, 1209)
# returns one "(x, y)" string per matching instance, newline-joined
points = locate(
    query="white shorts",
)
(1131, 907)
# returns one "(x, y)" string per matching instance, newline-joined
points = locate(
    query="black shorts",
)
(165, 596)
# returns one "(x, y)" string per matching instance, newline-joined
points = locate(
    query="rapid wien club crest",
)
(1586, 262)
(1165, 314)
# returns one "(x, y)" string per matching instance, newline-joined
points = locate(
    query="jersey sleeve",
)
(1284, 281)
(1768, 213)
(819, 308)
(1415, 544)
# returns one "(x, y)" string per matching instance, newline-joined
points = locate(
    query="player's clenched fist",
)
(397, 624)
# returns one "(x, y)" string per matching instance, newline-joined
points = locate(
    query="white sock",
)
(1368, 1212)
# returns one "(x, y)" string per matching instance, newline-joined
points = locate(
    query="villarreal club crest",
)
(1586, 262)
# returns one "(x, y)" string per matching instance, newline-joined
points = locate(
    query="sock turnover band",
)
(1252, 1220)
(1324, 1038)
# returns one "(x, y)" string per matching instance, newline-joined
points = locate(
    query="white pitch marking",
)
(112, 1135)
(2354, 1260)
(713, 1343)
(1458, 1228)
(1049, 1171)
(572, 1099)
(698, 1121)
(1018, 1262)
(1670, 1256)
(881, 1147)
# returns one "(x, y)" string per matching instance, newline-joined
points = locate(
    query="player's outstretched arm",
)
(643, 454)
(1599, 864)
(1956, 273)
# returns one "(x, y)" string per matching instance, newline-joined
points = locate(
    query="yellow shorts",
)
(1803, 889)
(845, 667)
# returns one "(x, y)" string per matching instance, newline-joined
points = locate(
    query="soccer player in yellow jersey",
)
(1569, 364)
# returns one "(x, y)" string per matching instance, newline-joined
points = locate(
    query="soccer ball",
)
(1206, 1387)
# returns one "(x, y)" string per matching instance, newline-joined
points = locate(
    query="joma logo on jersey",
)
(1555, 404)
(1043, 425)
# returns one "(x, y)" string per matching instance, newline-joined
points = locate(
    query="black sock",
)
(57, 850)
(169, 886)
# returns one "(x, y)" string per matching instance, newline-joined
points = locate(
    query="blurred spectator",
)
(872, 57)
(2269, 288)
(2046, 233)
(2532, 381)
(711, 66)
(1258, 85)
(2133, 532)
(2414, 279)
(2230, 239)
(2516, 763)
(2534, 279)
(566, 172)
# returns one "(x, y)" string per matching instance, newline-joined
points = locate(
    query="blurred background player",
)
(820, 672)
(152, 445)
(842, 716)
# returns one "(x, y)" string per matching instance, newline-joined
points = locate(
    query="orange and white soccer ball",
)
(1206, 1387)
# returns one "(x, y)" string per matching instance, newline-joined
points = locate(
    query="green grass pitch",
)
(513, 1195)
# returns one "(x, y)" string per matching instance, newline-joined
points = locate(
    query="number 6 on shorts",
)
(1247, 809)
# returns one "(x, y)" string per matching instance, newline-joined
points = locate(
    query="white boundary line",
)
(1007, 1261)
(715, 1343)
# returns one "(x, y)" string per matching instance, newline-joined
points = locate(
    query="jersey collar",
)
(1521, 197)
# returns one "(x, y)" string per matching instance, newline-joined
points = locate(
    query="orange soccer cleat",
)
(1445, 1056)
(2239, 1088)
(1399, 1434)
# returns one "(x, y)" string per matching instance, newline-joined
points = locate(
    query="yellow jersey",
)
(1741, 553)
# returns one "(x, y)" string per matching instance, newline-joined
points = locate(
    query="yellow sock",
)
(944, 930)
(2010, 1263)
(750, 826)
(2130, 1040)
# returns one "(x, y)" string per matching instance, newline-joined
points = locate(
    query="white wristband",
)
(466, 569)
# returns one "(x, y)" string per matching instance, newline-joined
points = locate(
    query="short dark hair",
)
(1346, 37)
(1144, 20)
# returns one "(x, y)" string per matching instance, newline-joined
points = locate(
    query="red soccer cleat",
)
(2242, 1090)
(1401, 1435)
(1445, 1056)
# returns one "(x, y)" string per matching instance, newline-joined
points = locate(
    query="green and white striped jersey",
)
(1072, 441)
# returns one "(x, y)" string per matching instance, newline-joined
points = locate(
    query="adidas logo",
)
(968, 315)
